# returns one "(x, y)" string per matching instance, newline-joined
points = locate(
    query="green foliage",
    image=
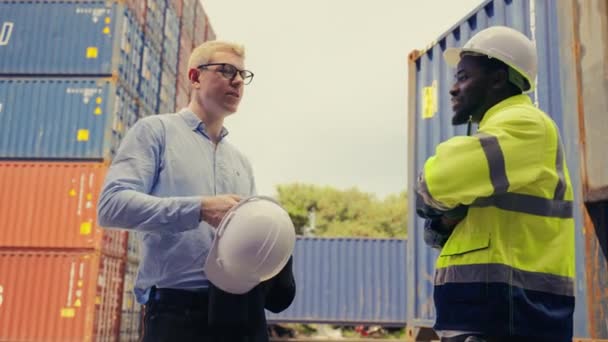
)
(343, 213)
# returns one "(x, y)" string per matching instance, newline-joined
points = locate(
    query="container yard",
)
(107, 64)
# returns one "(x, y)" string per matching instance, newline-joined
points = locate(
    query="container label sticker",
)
(106, 30)
(429, 101)
(92, 52)
(77, 303)
(68, 312)
(97, 111)
(85, 228)
(82, 135)
(5, 32)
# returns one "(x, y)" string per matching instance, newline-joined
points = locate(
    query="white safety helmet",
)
(252, 243)
(506, 45)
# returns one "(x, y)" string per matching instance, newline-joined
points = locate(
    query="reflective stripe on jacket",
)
(508, 267)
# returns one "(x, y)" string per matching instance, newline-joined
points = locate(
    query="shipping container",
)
(582, 32)
(133, 254)
(429, 123)
(63, 118)
(138, 7)
(182, 99)
(149, 84)
(96, 38)
(171, 41)
(53, 205)
(167, 93)
(200, 25)
(178, 6)
(348, 281)
(131, 315)
(155, 21)
(59, 296)
(188, 17)
(185, 49)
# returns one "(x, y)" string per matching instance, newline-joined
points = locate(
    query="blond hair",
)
(203, 53)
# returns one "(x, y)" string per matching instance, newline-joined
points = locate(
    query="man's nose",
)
(237, 80)
(454, 90)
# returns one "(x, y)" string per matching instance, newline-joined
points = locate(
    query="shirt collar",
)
(196, 124)
(520, 99)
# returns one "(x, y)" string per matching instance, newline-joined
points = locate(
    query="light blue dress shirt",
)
(154, 187)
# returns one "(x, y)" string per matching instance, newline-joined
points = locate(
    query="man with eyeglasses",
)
(171, 182)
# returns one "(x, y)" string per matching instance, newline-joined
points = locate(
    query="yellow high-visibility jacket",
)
(508, 267)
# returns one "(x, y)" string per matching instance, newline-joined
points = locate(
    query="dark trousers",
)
(480, 338)
(176, 315)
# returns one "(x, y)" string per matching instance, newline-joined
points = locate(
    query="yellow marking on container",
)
(97, 111)
(68, 312)
(98, 100)
(79, 283)
(97, 300)
(429, 101)
(72, 193)
(108, 20)
(89, 196)
(85, 228)
(77, 303)
(82, 135)
(92, 52)
(106, 30)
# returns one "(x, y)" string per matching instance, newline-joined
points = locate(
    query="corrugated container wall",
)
(53, 205)
(178, 6)
(155, 21)
(68, 118)
(200, 24)
(188, 17)
(583, 30)
(171, 41)
(59, 296)
(430, 123)
(185, 49)
(138, 7)
(149, 85)
(167, 93)
(348, 281)
(131, 315)
(78, 38)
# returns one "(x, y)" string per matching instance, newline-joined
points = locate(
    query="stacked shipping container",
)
(75, 75)
(570, 36)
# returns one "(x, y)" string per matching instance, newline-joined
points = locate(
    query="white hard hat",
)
(505, 44)
(252, 243)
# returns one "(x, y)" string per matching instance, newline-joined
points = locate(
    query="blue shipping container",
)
(149, 84)
(155, 21)
(171, 41)
(63, 118)
(95, 38)
(167, 93)
(348, 281)
(430, 123)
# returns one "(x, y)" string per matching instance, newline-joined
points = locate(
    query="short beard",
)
(460, 119)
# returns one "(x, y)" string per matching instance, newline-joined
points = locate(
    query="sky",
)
(328, 103)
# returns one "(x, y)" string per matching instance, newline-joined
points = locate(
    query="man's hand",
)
(214, 208)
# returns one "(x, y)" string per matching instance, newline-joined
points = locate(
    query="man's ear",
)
(499, 79)
(193, 75)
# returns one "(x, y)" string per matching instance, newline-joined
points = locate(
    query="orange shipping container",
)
(53, 204)
(59, 296)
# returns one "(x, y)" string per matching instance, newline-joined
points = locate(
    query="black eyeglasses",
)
(229, 71)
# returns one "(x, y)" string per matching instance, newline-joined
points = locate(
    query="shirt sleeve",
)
(125, 200)
(506, 155)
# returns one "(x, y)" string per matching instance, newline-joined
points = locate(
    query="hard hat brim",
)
(452, 56)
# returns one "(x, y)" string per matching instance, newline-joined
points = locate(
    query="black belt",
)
(180, 298)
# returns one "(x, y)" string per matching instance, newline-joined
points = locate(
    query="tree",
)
(342, 213)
